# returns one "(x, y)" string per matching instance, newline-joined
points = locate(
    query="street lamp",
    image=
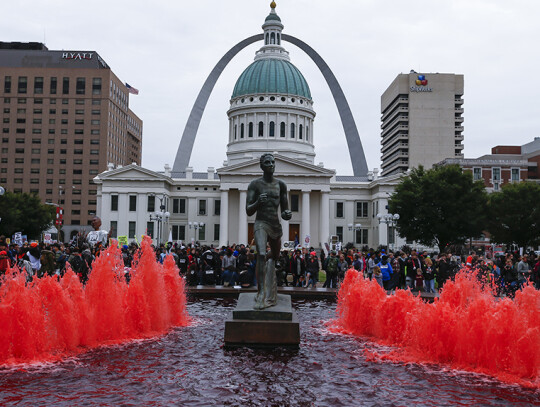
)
(391, 220)
(355, 228)
(196, 225)
(160, 217)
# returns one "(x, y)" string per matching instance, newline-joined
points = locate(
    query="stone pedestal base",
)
(271, 327)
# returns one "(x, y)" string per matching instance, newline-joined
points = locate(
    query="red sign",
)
(59, 216)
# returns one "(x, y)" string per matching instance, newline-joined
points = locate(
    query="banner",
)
(122, 240)
(17, 238)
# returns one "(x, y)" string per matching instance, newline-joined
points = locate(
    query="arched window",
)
(242, 130)
(235, 128)
(282, 129)
(272, 129)
(250, 129)
(292, 130)
(261, 129)
(273, 38)
(266, 41)
(279, 39)
(300, 128)
(307, 133)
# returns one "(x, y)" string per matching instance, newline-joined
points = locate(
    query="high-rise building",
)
(422, 121)
(65, 118)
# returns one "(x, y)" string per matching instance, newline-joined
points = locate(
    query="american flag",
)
(132, 89)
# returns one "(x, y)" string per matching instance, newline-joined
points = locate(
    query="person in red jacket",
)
(4, 262)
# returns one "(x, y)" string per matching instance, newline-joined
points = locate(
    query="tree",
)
(24, 213)
(440, 206)
(515, 214)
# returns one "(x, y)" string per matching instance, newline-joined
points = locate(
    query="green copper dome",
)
(272, 17)
(271, 75)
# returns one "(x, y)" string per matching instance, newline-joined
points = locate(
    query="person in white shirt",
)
(97, 236)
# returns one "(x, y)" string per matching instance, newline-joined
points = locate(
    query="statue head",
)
(268, 162)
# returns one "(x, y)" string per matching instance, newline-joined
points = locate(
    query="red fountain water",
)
(467, 328)
(50, 319)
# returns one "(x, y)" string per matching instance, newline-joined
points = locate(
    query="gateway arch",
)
(356, 151)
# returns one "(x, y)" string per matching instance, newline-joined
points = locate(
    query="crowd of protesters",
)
(303, 267)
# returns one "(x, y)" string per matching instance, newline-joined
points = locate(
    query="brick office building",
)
(505, 164)
(65, 117)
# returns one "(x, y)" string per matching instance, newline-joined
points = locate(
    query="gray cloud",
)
(166, 49)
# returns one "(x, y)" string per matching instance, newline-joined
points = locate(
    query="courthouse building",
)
(271, 110)
(65, 116)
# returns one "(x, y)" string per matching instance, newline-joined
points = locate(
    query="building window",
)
(151, 203)
(515, 175)
(496, 174)
(339, 233)
(272, 129)
(80, 86)
(307, 133)
(132, 230)
(96, 86)
(300, 131)
(202, 232)
(54, 84)
(132, 203)
(292, 130)
(261, 129)
(235, 129)
(339, 209)
(391, 235)
(242, 130)
(178, 232)
(7, 84)
(38, 85)
(250, 129)
(202, 207)
(361, 237)
(216, 231)
(294, 202)
(65, 86)
(114, 228)
(477, 174)
(361, 209)
(282, 129)
(179, 205)
(150, 229)
(23, 84)
(217, 207)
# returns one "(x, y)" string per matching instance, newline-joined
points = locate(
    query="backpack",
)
(332, 265)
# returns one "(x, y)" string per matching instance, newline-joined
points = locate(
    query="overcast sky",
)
(166, 49)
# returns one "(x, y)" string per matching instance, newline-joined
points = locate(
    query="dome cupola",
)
(271, 105)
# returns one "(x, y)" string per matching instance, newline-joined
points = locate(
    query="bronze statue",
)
(265, 195)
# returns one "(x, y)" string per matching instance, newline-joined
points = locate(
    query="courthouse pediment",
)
(132, 172)
(285, 166)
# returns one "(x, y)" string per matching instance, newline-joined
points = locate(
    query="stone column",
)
(242, 219)
(306, 217)
(224, 219)
(285, 227)
(324, 217)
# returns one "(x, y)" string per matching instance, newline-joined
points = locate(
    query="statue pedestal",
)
(268, 328)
